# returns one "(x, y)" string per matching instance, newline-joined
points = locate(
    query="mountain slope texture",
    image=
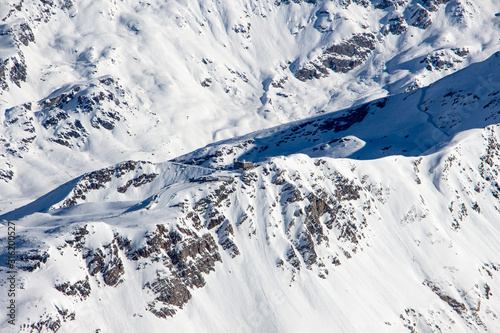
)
(250, 166)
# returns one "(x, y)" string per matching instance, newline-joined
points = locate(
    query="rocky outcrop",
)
(66, 119)
(80, 289)
(320, 218)
(99, 179)
(225, 233)
(420, 14)
(20, 129)
(186, 256)
(106, 261)
(316, 214)
(445, 59)
(432, 5)
(396, 26)
(340, 58)
(48, 324)
(179, 257)
(489, 168)
(31, 260)
(457, 306)
(391, 4)
(25, 34)
(68, 114)
(287, 2)
(13, 68)
(6, 175)
(420, 18)
(344, 3)
(138, 181)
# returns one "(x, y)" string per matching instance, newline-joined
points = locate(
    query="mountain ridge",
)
(411, 240)
(202, 71)
(250, 166)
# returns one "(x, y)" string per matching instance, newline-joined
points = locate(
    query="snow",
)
(249, 293)
(424, 253)
(159, 54)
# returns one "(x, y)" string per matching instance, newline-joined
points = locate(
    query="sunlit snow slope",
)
(85, 84)
(378, 218)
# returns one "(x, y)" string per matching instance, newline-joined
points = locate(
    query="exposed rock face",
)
(13, 68)
(340, 58)
(396, 26)
(187, 257)
(79, 289)
(107, 262)
(32, 260)
(180, 255)
(172, 292)
(311, 215)
(225, 234)
(461, 52)
(432, 5)
(321, 217)
(25, 34)
(344, 3)
(179, 259)
(99, 179)
(420, 18)
(445, 59)
(99, 106)
(287, 2)
(17, 73)
(453, 303)
(138, 181)
(206, 82)
(465, 308)
(48, 324)
(6, 175)
(384, 4)
(66, 119)
(21, 132)
(70, 114)
(337, 213)
(489, 168)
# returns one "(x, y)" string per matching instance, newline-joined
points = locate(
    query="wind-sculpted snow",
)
(411, 124)
(416, 229)
(130, 180)
(371, 206)
(417, 234)
(94, 83)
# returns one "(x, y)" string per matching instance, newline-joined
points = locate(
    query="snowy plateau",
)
(250, 166)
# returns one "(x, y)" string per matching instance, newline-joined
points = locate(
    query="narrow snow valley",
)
(250, 166)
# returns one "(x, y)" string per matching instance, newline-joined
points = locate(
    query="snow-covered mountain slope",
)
(85, 84)
(411, 124)
(402, 239)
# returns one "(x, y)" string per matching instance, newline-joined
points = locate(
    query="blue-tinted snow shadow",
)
(43, 203)
(398, 125)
